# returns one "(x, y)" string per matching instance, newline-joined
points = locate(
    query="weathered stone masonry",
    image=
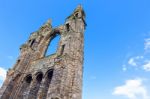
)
(57, 76)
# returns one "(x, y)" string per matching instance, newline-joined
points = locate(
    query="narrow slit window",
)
(32, 43)
(62, 49)
(77, 15)
(68, 27)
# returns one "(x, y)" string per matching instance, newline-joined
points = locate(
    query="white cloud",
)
(2, 73)
(138, 62)
(132, 62)
(146, 66)
(132, 89)
(147, 44)
(142, 61)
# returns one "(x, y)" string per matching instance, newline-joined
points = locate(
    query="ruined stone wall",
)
(57, 76)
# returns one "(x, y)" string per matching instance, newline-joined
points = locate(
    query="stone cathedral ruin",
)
(57, 76)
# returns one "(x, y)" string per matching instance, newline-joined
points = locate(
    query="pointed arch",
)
(45, 84)
(35, 86)
(53, 44)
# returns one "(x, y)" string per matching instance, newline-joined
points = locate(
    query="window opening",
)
(39, 77)
(50, 74)
(76, 14)
(68, 27)
(62, 49)
(33, 93)
(28, 79)
(52, 47)
(32, 43)
(46, 83)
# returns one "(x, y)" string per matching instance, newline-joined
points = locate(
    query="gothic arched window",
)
(47, 80)
(53, 45)
(50, 74)
(39, 77)
(28, 78)
(36, 85)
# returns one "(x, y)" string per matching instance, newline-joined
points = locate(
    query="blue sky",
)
(117, 41)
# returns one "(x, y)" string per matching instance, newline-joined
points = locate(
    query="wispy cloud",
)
(146, 66)
(132, 89)
(147, 44)
(132, 62)
(136, 61)
(141, 61)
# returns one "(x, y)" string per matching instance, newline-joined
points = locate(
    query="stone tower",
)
(57, 76)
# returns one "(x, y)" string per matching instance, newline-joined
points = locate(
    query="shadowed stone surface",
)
(57, 76)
